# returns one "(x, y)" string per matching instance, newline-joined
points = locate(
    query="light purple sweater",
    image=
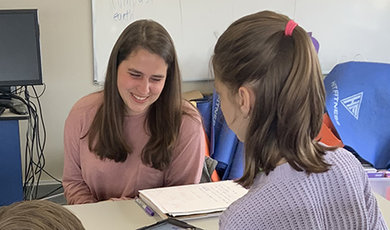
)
(340, 198)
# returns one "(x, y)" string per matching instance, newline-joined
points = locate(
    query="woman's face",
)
(141, 79)
(234, 118)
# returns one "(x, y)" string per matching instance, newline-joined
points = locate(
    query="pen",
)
(146, 208)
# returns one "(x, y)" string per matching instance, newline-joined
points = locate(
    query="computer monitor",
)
(20, 56)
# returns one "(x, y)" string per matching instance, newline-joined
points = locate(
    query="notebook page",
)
(196, 198)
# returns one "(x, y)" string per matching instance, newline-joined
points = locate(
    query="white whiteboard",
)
(346, 29)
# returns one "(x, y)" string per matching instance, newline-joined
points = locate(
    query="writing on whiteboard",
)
(123, 10)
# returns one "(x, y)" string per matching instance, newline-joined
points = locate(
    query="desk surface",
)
(127, 215)
(8, 115)
(124, 214)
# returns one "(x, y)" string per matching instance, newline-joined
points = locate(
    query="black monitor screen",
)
(20, 58)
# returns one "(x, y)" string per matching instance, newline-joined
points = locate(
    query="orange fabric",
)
(328, 134)
(329, 124)
(214, 175)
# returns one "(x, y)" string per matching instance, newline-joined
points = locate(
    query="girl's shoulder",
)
(89, 102)
(341, 154)
(190, 111)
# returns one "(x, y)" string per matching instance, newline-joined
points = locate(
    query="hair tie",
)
(290, 26)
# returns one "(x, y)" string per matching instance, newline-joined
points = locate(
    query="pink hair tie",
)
(290, 26)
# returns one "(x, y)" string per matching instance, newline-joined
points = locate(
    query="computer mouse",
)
(18, 109)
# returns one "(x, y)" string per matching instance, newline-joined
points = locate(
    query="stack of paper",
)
(195, 199)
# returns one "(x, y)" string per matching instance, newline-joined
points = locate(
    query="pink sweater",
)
(88, 179)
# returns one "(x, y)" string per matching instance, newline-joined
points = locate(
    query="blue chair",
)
(358, 103)
(224, 144)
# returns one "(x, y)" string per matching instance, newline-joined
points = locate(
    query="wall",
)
(67, 66)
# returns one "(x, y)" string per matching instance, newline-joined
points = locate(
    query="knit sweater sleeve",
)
(76, 190)
(188, 157)
(340, 198)
(375, 218)
(240, 214)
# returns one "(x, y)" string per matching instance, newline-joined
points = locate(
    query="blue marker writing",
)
(146, 208)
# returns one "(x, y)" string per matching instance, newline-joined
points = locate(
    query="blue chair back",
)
(358, 103)
(224, 144)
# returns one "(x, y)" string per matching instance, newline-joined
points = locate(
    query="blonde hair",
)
(38, 214)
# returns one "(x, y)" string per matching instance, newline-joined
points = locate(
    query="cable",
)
(34, 156)
(52, 196)
(43, 91)
(46, 196)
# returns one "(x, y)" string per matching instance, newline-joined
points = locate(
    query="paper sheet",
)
(194, 199)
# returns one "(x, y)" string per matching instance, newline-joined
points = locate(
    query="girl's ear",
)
(245, 100)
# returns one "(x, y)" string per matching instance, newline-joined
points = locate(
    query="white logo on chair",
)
(352, 104)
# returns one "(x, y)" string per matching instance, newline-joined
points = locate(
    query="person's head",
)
(142, 77)
(37, 215)
(142, 68)
(271, 92)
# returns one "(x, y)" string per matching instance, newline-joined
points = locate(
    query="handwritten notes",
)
(194, 199)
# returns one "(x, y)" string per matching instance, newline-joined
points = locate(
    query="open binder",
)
(192, 201)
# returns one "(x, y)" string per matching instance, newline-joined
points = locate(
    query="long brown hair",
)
(163, 118)
(285, 76)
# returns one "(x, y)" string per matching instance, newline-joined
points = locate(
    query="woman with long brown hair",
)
(137, 133)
